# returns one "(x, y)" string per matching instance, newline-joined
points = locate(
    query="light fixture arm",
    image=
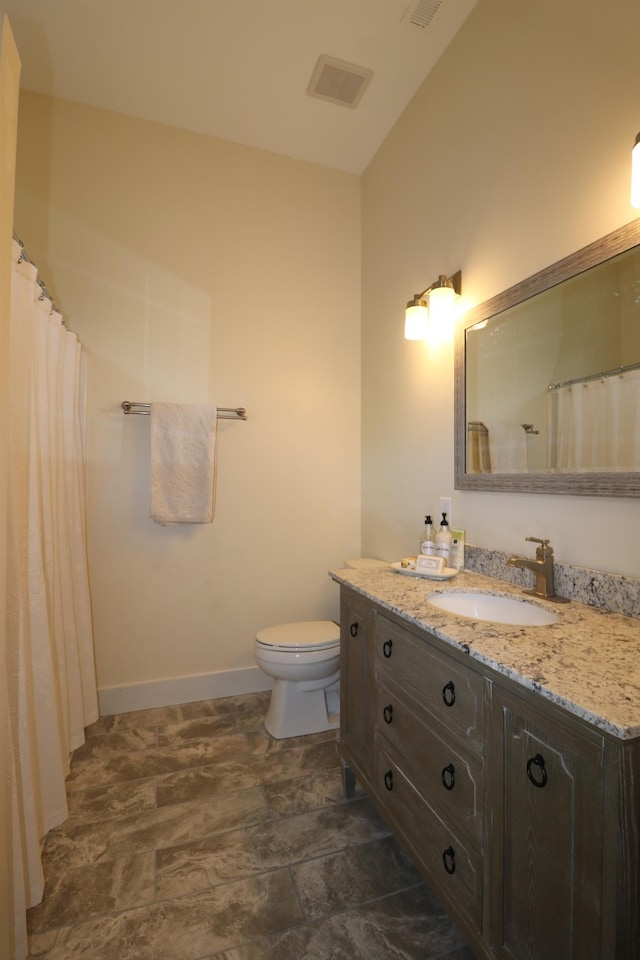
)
(454, 281)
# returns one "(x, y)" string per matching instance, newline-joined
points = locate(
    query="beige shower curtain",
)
(51, 674)
(595, 426)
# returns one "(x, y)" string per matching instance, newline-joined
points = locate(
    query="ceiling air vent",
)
(338, 82)
(422, 13)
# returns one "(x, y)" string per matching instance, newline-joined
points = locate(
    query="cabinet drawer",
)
(448, 776)
(452, 868)
(451, 692)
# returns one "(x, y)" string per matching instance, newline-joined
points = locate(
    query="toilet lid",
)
(309, 634)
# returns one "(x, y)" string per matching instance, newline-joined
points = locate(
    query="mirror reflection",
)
(548, 378)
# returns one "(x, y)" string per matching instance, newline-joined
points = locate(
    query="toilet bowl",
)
(304, 660)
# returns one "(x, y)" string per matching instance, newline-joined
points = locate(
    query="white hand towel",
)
(507, 447)
(183, 446)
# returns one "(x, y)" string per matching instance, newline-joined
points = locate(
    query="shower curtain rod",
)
(614, 372)
(45, 295)
(224, 413)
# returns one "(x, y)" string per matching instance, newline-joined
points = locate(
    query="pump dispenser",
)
(428, 538)
(443, 540)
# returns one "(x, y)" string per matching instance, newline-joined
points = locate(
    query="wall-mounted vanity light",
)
(635, 173)
(433, 319)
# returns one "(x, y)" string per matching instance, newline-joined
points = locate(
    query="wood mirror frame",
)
(576, 484)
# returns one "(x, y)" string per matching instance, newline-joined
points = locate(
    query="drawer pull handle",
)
(449, 777)
(353, 629)
(449, 694)
(387, 647)
(449, 860)
(387, 713)
(388, 779)
(539, 779)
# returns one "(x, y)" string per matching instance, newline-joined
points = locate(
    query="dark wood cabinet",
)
(523, 818)
(412, 733)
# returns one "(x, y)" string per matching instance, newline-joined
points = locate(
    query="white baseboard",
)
(164, 693)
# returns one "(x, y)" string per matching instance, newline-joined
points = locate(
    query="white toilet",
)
(304, 660)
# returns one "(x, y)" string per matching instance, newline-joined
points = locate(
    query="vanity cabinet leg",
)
(348, 780)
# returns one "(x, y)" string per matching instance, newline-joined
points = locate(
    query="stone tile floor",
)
(193, 835)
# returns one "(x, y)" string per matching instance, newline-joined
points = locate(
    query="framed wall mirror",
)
(547, 378)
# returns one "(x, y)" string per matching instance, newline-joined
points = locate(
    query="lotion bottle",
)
(443, 541)
(428, 538)
(456, 559)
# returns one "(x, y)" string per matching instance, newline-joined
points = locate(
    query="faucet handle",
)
(544, 550)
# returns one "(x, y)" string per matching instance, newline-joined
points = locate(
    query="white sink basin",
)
(494, 609)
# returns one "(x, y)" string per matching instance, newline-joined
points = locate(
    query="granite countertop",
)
(588, 662)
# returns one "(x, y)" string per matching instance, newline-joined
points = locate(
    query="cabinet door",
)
(356, 684)
(546, 844)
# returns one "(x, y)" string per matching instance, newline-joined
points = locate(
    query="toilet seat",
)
(303, 635)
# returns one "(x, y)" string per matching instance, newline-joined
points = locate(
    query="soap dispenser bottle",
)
(443, 541)
(428, 538)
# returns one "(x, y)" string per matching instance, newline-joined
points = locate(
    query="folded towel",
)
(182, 463)
(478, 458)
(507, 447)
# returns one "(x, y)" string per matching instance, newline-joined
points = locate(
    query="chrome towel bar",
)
(144, 409)
(477, 426)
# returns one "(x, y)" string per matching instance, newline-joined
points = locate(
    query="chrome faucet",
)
(542, 566)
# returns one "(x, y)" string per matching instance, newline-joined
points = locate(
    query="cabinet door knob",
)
(387, 647)
(353, 629)
(449, 860)
(387, 713)
(449, 694)
(388, 779)
(449, 777)
(538, 779)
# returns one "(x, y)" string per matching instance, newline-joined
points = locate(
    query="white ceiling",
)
(236, 69)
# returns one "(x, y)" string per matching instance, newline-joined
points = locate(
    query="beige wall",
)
(199, 270)
(515, 152)
(195, 270)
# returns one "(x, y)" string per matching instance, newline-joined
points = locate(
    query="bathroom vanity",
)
(505, 758)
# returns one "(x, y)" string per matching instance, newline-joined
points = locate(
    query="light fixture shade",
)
(416, 320)
(635, 173)
(442, 310)
(442, 302)
(433, 320)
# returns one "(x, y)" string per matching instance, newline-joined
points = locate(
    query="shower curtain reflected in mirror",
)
(595, 426)
(51, 672)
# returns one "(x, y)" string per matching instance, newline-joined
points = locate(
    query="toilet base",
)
(298, 708)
